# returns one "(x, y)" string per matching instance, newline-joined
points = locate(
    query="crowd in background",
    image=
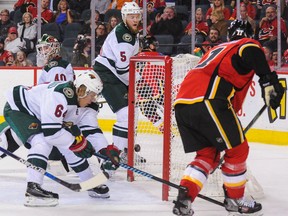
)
(18, 28)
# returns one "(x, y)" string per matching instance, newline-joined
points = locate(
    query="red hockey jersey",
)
(215, 77)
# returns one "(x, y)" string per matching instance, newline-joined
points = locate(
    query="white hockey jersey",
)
(54, 104)
(57, 69)
(119, 46)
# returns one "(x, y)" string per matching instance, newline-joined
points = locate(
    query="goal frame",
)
(167, 113)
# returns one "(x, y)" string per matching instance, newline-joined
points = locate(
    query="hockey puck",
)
(137, 148)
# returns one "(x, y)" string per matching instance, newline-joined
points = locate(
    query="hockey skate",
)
(242, 207)
(101, 191)
(36, 196)
(183, 204)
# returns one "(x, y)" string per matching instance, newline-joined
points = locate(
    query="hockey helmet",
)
(147, 41)
(90, 80)
(240, 29)
(48, 47)
(129, 8)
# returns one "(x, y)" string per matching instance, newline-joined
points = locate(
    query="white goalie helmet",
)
(129, 8)
(47, 47)
(90, 80)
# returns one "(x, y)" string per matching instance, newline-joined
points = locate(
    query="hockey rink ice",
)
(268, 163)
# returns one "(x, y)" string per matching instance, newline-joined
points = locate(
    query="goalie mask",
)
(48, 47)
(147, 41)
(86, 82)
(240, 29)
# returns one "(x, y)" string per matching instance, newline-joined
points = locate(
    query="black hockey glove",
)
(272, 90)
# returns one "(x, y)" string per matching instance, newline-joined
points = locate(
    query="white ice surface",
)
(268, 163)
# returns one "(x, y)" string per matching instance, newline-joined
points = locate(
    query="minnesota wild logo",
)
(33, 126)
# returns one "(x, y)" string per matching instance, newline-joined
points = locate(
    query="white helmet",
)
(90, 80)
(129, 8)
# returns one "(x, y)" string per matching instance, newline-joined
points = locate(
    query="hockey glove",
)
(82, 147)
(112, 152)
(272, 90)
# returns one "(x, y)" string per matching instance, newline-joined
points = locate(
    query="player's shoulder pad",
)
(68, 90)
(248, 43)
(123, 35)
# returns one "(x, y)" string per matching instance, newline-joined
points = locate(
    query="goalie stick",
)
(83, 186)
(251, 123)
(148, 175)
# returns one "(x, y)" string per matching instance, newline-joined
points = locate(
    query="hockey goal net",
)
(152, 123)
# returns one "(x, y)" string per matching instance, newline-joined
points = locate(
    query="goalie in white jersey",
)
(112, 65)
(50, 115)
(55, 68)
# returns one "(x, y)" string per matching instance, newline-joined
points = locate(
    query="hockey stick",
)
(251, 123)
(148, 175)
(83, 186)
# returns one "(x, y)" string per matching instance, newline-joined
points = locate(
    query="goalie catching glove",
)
(82, 147)
(272, 90)
(112, 152)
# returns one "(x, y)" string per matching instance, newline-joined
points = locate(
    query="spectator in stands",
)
(250, 9)
(6, 57)
(102, 7)
(268, 55)
(54, 5)
(79, 5)
(82, 52)
(100, 36)
(231, 3)
(21, 60)
(46, 13)
(268, 29)
(275, 58)
(167, 23)
(212, 40)
(264, 3)
(117, 4)
(64, 15)
(86, 30)
(218, 21)
(285, 58)
(244, 16)
(24, 4)
(201, 27)
(218, 5)
(151, 11)
(13, 43)
(27, 30)
(5, 22)
(112, 22)
(158, 5)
